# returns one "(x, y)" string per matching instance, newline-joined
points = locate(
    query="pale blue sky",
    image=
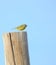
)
(40, 16)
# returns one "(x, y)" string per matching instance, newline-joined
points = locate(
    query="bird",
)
(21, 27)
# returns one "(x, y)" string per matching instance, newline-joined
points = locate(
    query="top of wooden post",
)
(20, 35)
(15, 32)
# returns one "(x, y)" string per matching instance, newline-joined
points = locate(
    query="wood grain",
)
(16, 48)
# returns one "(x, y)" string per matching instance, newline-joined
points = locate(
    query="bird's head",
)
(25, 25)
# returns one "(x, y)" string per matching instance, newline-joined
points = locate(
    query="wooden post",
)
(16, 48)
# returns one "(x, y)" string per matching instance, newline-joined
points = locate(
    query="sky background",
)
(40, 16)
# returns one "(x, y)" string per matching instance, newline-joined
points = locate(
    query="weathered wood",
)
(16, 48)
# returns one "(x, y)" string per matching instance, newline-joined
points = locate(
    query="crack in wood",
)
(12, 49)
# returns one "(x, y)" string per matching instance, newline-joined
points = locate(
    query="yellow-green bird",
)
(21, 27)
